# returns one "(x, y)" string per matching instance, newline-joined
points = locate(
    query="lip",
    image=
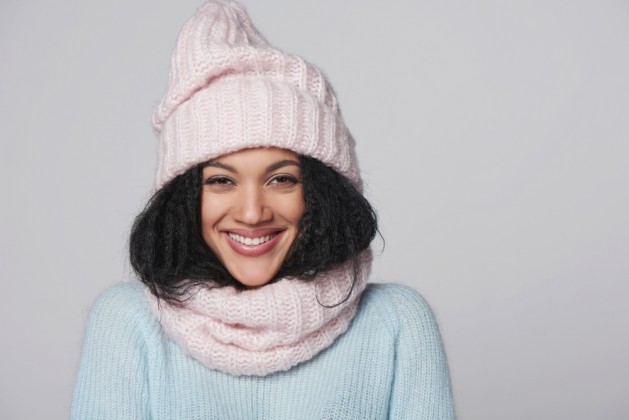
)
(253, 250)
(248, 233)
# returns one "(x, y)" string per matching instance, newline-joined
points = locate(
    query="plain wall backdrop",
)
(493, 138)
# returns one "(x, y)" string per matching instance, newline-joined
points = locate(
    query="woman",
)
(254, 255)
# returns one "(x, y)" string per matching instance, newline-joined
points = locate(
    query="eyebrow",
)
(281, 164)
(216, 164)
(272, 167)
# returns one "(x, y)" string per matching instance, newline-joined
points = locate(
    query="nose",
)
(251, 208)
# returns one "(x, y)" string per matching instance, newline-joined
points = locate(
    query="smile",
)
(251, 241)
(255, 243)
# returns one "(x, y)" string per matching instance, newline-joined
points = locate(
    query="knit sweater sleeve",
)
(421, 385)
(112, 378)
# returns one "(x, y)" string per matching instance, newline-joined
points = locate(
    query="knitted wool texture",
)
(230, 90)
(266, 330)
(389, 364)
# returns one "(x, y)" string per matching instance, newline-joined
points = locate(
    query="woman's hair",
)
(168, 253)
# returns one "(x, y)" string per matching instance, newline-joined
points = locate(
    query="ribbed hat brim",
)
(239, 112)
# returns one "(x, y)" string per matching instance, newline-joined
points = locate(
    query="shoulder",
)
(122, 307)
(399, 306)
(124, 297)
(421, 383)
(120, 338)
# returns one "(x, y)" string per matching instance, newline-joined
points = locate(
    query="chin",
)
(251, 275)
(253, 281)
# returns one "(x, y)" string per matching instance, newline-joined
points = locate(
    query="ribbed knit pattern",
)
(230, 90)
(265, 330)
(389, 364)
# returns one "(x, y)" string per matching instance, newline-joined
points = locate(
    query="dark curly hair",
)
(169, 255)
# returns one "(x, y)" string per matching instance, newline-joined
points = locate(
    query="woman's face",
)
(251, 205)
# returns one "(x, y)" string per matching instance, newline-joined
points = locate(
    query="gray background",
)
(493, 137)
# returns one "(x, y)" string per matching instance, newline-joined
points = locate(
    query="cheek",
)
(295, 209)
(288, 209)
(211, 213)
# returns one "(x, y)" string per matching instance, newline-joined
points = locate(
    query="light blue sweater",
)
(389, 364)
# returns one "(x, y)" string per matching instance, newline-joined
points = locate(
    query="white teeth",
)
(251, 241)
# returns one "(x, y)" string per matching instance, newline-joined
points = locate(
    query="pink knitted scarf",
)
(265, 330)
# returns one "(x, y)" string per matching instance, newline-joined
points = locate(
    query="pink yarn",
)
(265, 330)
(230, 90)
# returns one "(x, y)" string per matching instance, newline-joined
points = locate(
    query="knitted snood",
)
(269, 329)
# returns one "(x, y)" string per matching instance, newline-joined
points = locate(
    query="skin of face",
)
(251, 205)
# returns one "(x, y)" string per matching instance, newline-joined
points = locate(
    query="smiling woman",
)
(251, 206)
(172, 247)
(253, 257)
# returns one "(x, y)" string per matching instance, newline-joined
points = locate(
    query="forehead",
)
(254, 158)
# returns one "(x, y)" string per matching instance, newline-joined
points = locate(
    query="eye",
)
(283, 181)
(219, 182)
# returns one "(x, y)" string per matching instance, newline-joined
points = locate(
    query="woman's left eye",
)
(284, 181)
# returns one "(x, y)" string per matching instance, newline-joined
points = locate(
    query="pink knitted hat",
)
(230, 90)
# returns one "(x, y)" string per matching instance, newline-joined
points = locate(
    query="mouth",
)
(251, 241)
(253, 244)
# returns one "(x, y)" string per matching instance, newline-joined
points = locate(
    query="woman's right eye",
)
(219, 182)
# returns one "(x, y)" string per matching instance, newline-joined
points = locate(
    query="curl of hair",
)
(169, 255)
